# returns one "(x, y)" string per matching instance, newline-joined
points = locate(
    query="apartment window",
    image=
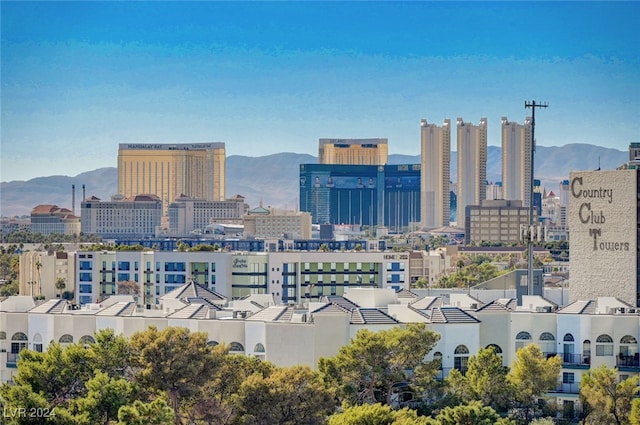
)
(604, 346)
(522, 339)
(568, 377)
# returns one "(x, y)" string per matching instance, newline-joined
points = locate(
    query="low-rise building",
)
(48, 219)
(135, 216)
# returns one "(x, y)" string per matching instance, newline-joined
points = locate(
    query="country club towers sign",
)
(602, 218)
(594, 203)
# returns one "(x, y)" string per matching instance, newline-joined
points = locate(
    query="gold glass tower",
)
(435, 153)
(472, 166)
(353, 151)
(166, 170)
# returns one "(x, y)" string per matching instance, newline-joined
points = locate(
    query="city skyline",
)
(80, 78)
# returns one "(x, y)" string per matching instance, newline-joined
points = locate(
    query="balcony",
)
(628, 363)
(12, 360)
(566, 388)
(576, 361)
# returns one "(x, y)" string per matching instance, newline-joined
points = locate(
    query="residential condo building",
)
(472, 165)
(516, 160)
(435, 158)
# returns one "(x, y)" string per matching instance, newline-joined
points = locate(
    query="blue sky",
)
(79, 78)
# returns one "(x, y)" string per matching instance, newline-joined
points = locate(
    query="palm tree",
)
(38, 267)
(61, 283)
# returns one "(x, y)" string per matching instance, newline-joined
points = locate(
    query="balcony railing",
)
(567, 388)
(629, 362)
(570, 359)
(12, 359)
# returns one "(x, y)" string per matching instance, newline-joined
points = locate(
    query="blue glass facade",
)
(368, 195)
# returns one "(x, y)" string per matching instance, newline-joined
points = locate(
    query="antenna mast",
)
(533, 105)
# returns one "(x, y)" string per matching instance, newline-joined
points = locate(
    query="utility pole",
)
(533, 105)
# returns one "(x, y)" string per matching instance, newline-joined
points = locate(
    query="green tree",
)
(111, 354)
(634, 417)
(376, 414)
(215, 403)
(173, 361)
(104, 398)
(366, 370)
(610, 401)
(473, 413)
(156, 412)
(289, 396)
(485, 381)
(532, 375)
(56, 376)
(60, 284)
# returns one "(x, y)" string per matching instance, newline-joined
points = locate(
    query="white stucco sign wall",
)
(603, 234)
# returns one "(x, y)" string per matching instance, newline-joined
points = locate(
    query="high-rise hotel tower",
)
(472, 165)
(166, 170)
(516, 160)
(353, 151)
(435, 153)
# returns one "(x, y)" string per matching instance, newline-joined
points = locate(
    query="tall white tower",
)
(435, 153)
(472, 165)
(516, 163)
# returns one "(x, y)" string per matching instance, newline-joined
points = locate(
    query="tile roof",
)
(331, 308)
(502, 304)
(55, 306)
(406, 294)
(341, 301)
(451, 315)
(194, 311)
(273, 314)
(194, 290)
(120, 309)
(369, 316)
(427, 303)
(580, 307)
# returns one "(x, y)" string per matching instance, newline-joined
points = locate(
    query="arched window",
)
(259, 348)
(3, 335)
(86, 340)
(568, 349)
(437, 357)
(212, 343)
(628, 351)
(236, 347)
(65, 339)
(37, 343)
(547, 343)
(604, 346)
(522, 339)
(460, 358)
(495, 347)
(19, 336)
(586, 351)
(18, 342)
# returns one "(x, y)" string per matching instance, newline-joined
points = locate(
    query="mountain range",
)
(273, 179)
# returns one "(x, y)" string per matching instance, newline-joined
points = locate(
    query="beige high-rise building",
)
(353, 151)
(435, 157)
(169, 170)
(472, 166)
(516, 160)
